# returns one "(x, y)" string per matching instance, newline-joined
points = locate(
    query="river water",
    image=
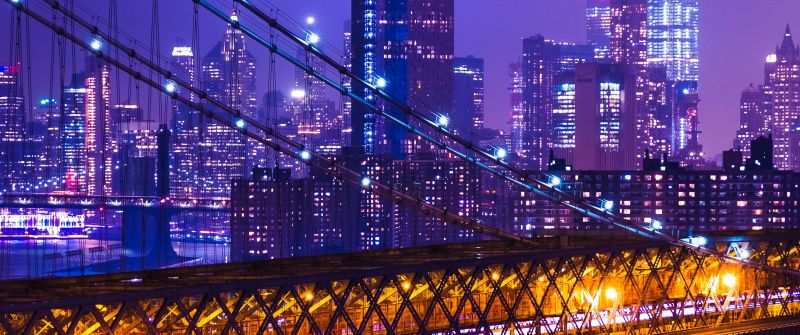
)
(22, 259)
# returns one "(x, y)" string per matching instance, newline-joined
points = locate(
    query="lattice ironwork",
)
(640, 288)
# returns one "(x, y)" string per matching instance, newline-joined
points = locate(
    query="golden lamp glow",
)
(729, 280)
(495, 276)
(309, 296)
(406, 285)
(611, 293)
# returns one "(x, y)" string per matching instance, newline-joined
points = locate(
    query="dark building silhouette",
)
(761, 154)
(732, 160)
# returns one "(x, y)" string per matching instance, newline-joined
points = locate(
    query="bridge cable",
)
(522, 178)
(318, 161)
(377, 187)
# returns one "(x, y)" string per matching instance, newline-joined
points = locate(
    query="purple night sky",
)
(736, 36)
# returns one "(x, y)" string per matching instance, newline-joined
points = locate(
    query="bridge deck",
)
(318, 268)
(70, 290)
(572, 285)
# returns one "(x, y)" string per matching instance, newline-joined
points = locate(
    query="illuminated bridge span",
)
(112, 202)
(652, 283)
(577, 286)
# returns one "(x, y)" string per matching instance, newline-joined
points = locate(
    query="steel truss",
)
(633, 288)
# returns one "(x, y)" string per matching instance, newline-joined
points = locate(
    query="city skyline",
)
(310, 167)
(720, 38)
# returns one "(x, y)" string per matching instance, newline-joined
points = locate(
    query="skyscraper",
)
(47, 125)
(629, 32)
(228, 71)
(409, 46)
(186, 128)
(629, 47)
(468, 94)
(660, 38)
(783, 82)
(598, 27)
(517, 114)
(73, 136)
(347, 103)
(11, 105)
(754, 116)
(542, 61)
(673, 36)
(12, 128)
(604, 117)
(100, 142)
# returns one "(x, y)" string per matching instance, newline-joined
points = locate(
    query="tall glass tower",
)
(598, 27)
(542, 61)
(784, 86)
(407, 45)
(229, 73)
(468, 94)
(673, 37)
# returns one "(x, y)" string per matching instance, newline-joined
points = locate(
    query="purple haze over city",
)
(735, 37)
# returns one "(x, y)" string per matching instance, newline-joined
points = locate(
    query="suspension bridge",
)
(497, 281)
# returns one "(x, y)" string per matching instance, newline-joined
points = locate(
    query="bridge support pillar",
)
(145, 233)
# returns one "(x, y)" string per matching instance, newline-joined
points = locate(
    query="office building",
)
(598, 27)
(783, 85)
(594, 117)
(542, 61)
(407, 45)
(754, 115)
(12, 131)
(270, 216)
(673, 37)
(452, 185)
(228, 72)
(468, 75)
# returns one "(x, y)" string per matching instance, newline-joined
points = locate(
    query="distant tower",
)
(542, 61)
(598, 27)
(629, 47)
(100, 128)
(673, 31)
(186, 125)
(754, 116)
(347, 103)
(784, 85)
(468, 94)
(229, 73)
(73, 135)
(410, 45)
(629, 32)
(12, 128)
(517, 115)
